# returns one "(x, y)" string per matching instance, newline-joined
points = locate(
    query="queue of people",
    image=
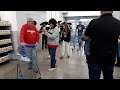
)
(102, 42)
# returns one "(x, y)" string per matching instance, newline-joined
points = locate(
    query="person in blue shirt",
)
(80, 29)
(86, 47)
(118, 54)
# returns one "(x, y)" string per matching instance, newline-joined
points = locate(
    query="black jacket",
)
(66, 36)
(104, 33)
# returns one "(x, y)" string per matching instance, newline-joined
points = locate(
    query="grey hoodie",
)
(53, 36)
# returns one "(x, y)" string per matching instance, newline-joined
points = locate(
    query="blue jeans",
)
(32, 53)
(52, 52)
(119, 50)
(118, 55)
(95, 69)
(79, 40)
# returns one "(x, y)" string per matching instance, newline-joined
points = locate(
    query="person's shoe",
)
(36, 71)
(49, 56)
(29, 68)
(52, 69)
(61, 57)
(68, 56)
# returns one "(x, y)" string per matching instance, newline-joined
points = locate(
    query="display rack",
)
(6, 46)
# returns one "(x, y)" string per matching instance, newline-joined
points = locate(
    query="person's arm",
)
(53, 35)
(22, 35)
(38, 36)
(69, 36)
(40, 31)
(88, 31)
(76, 31)
(83, 28)
(118, 41)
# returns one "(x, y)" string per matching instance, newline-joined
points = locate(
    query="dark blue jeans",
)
(96, 68)
(118, 55)
(52, 52)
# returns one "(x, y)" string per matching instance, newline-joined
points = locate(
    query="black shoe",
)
(29, 68)
(68, 56)
(36, 71)
(61, 57)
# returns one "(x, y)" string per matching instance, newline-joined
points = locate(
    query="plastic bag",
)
(26, 59)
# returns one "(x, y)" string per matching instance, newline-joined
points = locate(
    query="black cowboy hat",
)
(69, 23)
(59, 21)
(63, 23)
(41, 23)
(46, 23)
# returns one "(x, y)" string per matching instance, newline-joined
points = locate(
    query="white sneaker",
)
(49, 56)
(52, 69)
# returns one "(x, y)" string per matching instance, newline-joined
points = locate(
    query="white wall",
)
(39, 16)
(54, 14)
(116, 14)
(83, 13)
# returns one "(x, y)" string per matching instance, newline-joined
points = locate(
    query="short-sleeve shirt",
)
(104, 33)
(80, 29)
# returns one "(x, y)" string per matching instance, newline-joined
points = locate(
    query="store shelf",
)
(6, 46)
(5, 41)
(5, 58)
(5, 49)
(5, 32)
(5, 23)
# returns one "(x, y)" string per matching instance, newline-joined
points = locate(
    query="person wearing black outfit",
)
(118, 54)
(80, 28)
(44, 37)
(66, 39)
(35, 23)
(104, 33)
(59, 26)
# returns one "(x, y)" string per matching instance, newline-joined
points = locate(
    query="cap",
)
(30, 19)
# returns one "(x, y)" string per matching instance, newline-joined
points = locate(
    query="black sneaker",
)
(68, 56)
(61, 57)
(29, 68)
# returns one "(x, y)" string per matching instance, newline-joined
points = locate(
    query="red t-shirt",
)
(29, 35)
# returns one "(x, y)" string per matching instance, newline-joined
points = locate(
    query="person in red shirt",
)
(29, 35)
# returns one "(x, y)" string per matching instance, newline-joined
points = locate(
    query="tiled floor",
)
(73, 68)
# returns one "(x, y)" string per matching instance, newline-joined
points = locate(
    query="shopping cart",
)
(22, 62)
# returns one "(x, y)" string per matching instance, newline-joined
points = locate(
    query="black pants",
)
(44, 41)
(87, 58)
(106, 66)
(118, 58)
